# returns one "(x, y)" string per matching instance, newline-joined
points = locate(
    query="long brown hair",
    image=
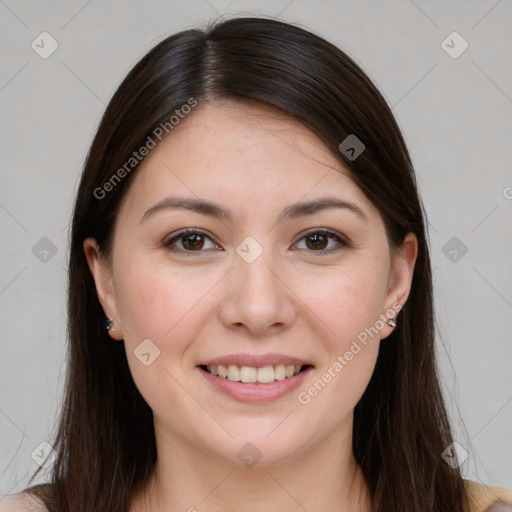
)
(105, 441)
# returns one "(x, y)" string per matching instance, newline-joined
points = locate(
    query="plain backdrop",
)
(453, 104)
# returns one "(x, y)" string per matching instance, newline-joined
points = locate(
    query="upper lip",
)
(256, 361)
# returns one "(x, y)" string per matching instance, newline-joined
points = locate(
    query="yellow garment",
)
(484, 498)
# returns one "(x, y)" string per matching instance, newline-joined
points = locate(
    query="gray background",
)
(456, 115)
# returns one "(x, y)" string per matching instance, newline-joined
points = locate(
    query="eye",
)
(191, 240)
(318, 241)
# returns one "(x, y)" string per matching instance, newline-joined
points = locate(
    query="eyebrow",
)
(293, 211)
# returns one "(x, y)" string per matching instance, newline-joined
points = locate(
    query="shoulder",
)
(484, 498)
(21, 502)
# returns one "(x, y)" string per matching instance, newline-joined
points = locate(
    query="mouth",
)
(254, 384)
(255, 375)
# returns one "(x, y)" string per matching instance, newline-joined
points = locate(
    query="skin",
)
(210, 302)
(499, 506)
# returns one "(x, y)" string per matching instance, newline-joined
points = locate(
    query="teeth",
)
(290, 370)
(266, 374)
(263, 375)
(280, 372)
(248, 374)
(233, 372)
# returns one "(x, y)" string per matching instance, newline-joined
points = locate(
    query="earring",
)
(391, 322)
(109, 324)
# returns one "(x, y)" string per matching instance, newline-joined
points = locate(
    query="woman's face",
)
(258, 286)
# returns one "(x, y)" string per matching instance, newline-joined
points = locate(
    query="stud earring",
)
(109, 324)
(391, 322)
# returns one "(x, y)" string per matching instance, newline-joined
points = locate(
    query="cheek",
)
(348, 310)
(168, 308)
(347, 302)
(348, 305)
(167, 305)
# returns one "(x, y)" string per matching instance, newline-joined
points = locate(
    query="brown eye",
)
(193, 241)
(316, 241)
(319, 242)
(190, 240)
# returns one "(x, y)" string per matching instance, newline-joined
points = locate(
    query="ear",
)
(101, 271)
(400, 278)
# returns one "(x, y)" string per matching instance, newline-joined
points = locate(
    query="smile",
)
(252, 374)
(254, 384)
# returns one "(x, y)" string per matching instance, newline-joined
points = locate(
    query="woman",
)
(250, 295)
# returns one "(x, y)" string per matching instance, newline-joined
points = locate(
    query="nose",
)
(257, 297)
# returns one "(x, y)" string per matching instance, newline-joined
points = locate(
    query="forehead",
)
(235, 152)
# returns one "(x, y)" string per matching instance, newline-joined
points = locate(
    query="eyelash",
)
(342, 242)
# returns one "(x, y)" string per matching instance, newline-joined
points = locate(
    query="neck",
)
(323, 477)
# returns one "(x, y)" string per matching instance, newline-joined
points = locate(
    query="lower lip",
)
(254, 392)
